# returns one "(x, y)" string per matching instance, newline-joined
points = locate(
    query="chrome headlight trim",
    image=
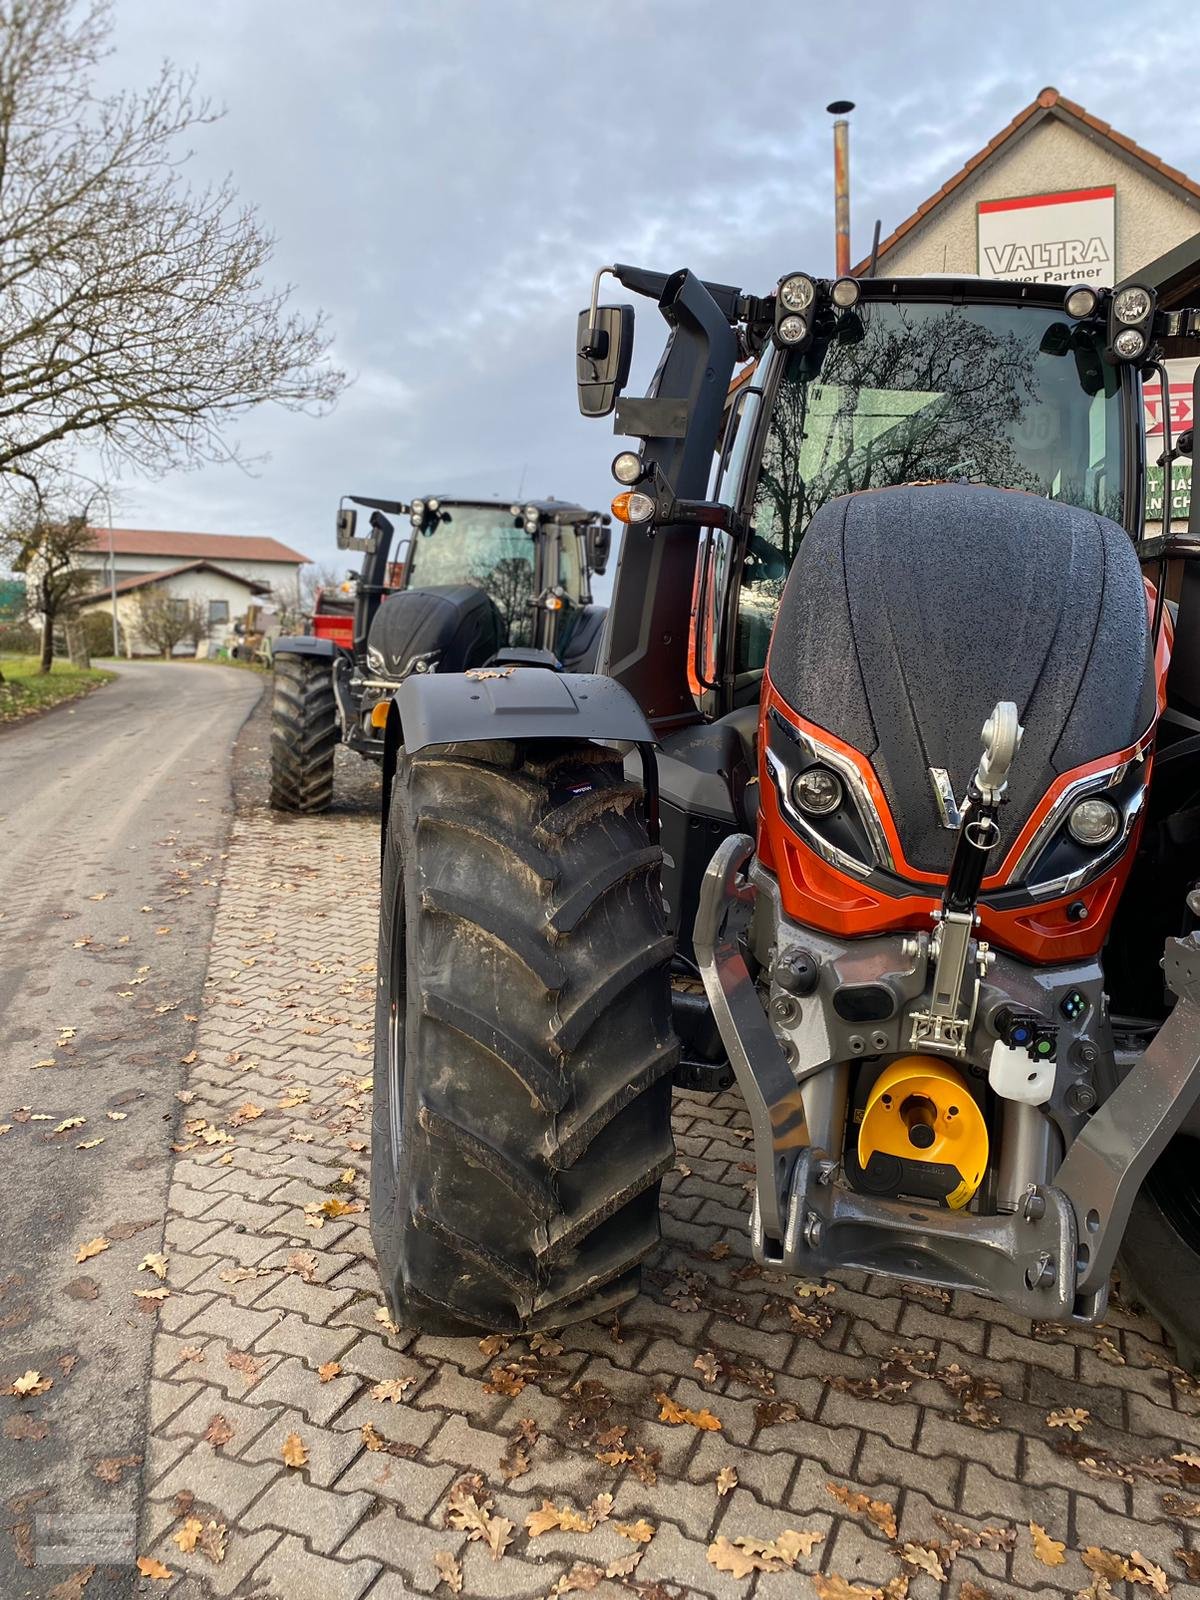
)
(1095, 784)
(858, 792)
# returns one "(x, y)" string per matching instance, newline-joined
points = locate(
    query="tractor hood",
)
(909, 612)
(454, 627)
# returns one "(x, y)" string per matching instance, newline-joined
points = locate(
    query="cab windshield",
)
(912, 391)
(479, 545)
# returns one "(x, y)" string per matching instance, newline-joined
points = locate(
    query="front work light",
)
(418, 508)
(1081, 301)
(845, 293)
(627, 467)
(1094, 822)
(633, 506)
(1129, 344)
(792, 330)
(797, 293)
(1132, 305)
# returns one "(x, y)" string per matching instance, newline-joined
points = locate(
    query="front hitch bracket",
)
(767, 1082)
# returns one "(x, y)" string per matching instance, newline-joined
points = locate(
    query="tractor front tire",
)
(523, 1040)
(304, 734)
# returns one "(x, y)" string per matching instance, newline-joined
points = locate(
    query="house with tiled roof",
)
(1061, 196)
(221, 574)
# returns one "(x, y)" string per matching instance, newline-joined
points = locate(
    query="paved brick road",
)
(951, 1432)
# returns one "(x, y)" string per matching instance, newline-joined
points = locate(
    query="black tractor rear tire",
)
(1159, 1263)
(523, 1040)
(304, 734)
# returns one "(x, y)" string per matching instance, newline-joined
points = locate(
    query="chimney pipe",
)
(840, 109)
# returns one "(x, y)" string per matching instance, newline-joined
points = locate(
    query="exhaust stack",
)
(840, 109)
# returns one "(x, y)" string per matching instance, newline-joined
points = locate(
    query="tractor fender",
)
(516, 703)
(303, 644)
(509, 703)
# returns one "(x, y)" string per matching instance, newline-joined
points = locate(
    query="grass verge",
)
(26, 691)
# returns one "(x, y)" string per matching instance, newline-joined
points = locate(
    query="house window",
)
(179, 609)
(218, 612)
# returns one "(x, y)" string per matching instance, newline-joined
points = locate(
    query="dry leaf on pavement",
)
(393, 1389)
(1047, 1550)
(110, 1468)
(469, 1509)
(833, 1586)
(328, 1370)
(30, 1382)
(876, 1511)
(726, 1480)
(932, 1558)
(87, 1251)
(1072, 1417)
(219, 1432)
(151, 1567)
(641, 1531)
(295, 1451)
(670, 1411)
(155, 1264)
(72, 1588)
(186, 1536)
(741, 1557)
(448, 1570)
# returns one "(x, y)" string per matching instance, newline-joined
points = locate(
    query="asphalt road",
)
(113, 814)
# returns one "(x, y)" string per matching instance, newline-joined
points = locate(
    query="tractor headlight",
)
(1129, 344)
(531, 513)
(792, 330)
(797, 293)
(845, 293)
(1094, 822)
(817, 791)
(432, 505)
(1081, 301)
(627, 468)
(418, 508)
(1131, 305)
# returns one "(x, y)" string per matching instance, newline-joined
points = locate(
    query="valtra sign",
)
(1049, 238)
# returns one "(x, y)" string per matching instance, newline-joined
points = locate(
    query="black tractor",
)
(885, 805)
(474, 582)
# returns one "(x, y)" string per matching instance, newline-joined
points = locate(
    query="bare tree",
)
(165, 620)
(44, 541)
(312, 576)
(133, 311)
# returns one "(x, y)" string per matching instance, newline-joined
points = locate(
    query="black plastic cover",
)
(461, 623)
(910, 611)
(516, 703)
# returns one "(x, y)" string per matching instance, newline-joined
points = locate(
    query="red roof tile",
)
(140, 581)
(196, 546)
(1050, 100)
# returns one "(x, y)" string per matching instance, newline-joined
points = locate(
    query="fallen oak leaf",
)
(1047, 1550)
(151, 1567)
(110, 1468)
(1072, 1417)
(30, 1382)
(89, 1144)
(157, 1264)
(448, 1570)
(294, 1451)
(877, 1511)
(212, 1542)
(670, 1411)
(1140, 1569)
(72, 1588)
(392, 1390)
(931, 1558)
(833, 1586)
(186, 1536)
(640, 1532)
(25, 1427)
(726, 1480)
(219, 1431)
(328, 1370)
(92, 1248)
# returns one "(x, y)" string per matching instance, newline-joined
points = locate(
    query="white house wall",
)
(202, 586)
(282, 576)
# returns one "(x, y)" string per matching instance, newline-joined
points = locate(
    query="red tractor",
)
(885, 806)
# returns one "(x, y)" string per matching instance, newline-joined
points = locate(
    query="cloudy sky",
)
(444, 176)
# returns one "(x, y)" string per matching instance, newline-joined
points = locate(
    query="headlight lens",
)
(1094, 822)
(627, 467)
(817, 791)
(1129, 344)
(417, 508)
(845, 292)
(792, 330)
(797, 293)
(1081, 302)
(1132, 304)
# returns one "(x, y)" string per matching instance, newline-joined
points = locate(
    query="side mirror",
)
(603, 351)
(347, 521)
(599, 546)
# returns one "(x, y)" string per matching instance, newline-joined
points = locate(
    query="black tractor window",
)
(479, 545)
(912, 391)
